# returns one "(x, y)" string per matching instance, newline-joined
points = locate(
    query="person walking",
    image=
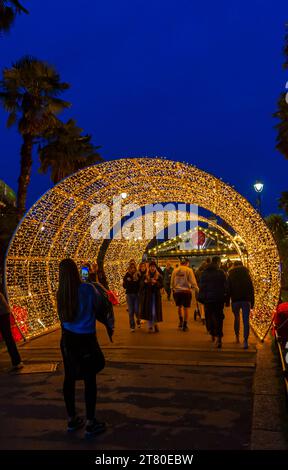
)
(213, 294)
(79, 304)
(200, 307)
(167, 279)
(131, 285)
(241, 293)
(97, 275)
(142, 276)
(5, 330)
(183, 281)
(151, 308)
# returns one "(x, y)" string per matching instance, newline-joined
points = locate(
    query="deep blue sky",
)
(192, 81)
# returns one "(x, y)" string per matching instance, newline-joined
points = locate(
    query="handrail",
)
(283, 361)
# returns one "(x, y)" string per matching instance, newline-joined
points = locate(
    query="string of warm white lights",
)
(58, 226)
(230, 242)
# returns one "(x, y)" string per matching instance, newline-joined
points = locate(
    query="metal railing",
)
(283, 354)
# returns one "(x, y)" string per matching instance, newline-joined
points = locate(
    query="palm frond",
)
(12, 118)
(19, 7)
(9, 9)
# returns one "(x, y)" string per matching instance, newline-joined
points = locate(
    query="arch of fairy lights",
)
(58, 226)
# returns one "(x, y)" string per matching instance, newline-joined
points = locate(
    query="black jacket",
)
(131, 283)
(152, 294)
(240, 286)
(212, 286)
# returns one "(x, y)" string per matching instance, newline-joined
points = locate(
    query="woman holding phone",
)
(79, 305)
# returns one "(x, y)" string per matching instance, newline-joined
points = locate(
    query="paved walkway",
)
(170, 390)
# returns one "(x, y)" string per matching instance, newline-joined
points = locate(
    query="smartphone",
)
(84, 273)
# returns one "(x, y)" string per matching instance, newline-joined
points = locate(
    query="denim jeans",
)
(153, 313)
(214, 318)
(133, 308)
(245, 307)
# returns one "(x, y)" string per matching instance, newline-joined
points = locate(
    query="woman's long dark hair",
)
(67, 295)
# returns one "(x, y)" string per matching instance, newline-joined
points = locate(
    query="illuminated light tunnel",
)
(58, 226)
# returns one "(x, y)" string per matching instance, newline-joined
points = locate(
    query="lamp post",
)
(258, 186)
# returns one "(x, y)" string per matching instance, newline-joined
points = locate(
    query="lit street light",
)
(258, 186)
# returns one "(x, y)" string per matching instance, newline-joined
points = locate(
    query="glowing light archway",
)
(58, 226)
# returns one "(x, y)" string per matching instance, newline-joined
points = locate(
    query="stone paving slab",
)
(145, 406)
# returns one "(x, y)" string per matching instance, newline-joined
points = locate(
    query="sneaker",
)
(16, 367)
(94, 429)
(180, 323)
(245, 344)
(132, 330)
(184, 327)
(219, 343)
(74, 424)
(156, 328)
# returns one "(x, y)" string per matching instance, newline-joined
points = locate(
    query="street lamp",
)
(258, 186)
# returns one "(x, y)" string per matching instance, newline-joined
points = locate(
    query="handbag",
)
(113, 297)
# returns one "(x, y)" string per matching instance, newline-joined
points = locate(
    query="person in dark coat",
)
(200, 307)
(151, 308)
(213, 294)
(131, 286)
(142, 276)
(5, 329)
(241, 292)
(167, 279)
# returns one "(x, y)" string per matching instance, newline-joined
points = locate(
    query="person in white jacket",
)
(183, 281)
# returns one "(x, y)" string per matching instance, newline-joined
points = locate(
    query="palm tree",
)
(285, 50)
(283, 201)
(282, 113)
(66, 151)
(8, 224)
(278, 226)
(279, 229)
(29, 93)
(282, 126)
(9, 9)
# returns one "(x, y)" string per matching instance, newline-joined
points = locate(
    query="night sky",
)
(192, 81)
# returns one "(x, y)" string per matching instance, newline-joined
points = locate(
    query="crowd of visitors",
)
(214, 286)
